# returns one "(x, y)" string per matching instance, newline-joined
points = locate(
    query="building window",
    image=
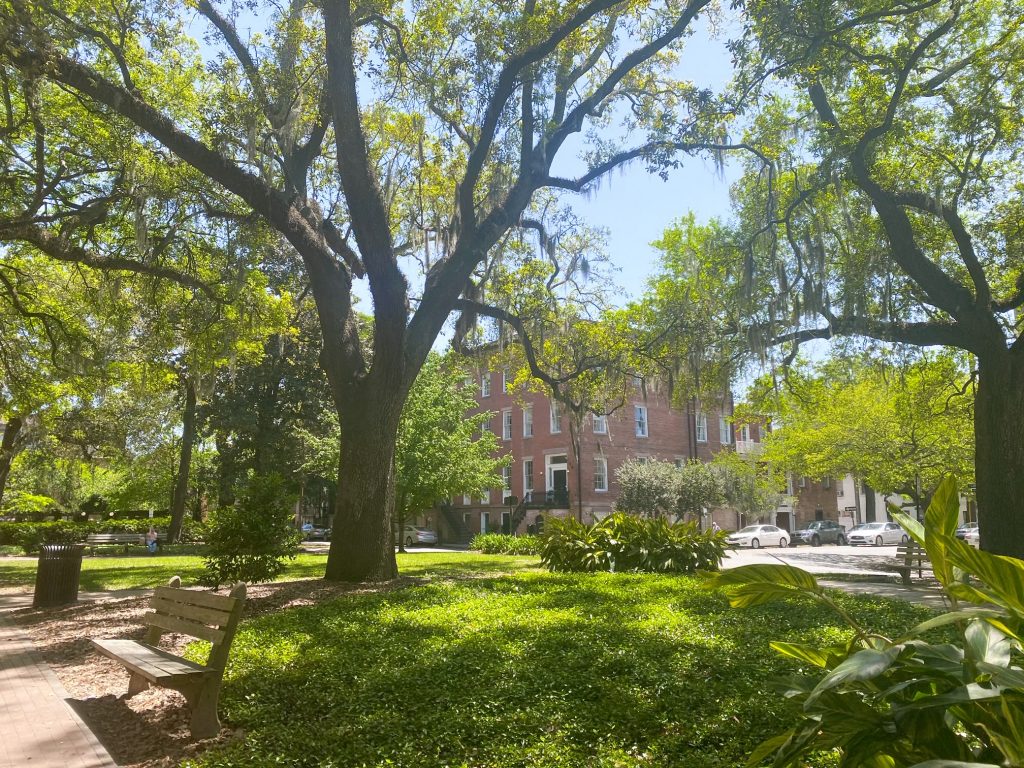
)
(803, 482)
(641, 459)
(527, 476)
(506, 480)
(485, 497)
(640, 416)
(528, 421)
(467, 499)
(506, 424)
(745, 433)
(485, 385)
(485, 425)
(485, 520)
(724, 431)
(600, 473)
(504, 381)
(556, 418)
(600, 425)
(826, 482)
(840, 489)
(702, 427)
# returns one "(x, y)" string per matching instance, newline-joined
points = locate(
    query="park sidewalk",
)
(40, 729)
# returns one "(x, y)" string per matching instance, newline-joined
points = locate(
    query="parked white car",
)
(755, 536)
(415, 534)
(877, 534)
(973, 537)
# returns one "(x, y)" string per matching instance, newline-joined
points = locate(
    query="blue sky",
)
(636, 207)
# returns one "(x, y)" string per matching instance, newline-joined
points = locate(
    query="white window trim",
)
(527, 476)
(467, 499)
(528, 421)
(485, 385)
(638, 411)
(604, 462)
(724, 431)
(506, 424)
(701, 423)
(506, 481)
(603, 421)
(555, 418)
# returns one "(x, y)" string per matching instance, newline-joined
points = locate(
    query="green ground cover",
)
(103, 573)
(526, 669)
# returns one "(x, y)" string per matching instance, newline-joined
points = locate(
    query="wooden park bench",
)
(197, 614)
(911, 557)
(94, 540)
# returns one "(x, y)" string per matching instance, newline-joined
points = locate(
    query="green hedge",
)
(29, 536)
(503, 544)
(622, 542)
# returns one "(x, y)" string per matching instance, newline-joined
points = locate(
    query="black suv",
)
(820, 532)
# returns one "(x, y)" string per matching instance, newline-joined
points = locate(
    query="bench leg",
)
(136, 684)
(202, 700)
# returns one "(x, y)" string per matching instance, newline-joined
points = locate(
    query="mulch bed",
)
(150, 730)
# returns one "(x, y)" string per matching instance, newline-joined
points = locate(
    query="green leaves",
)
(622, 542)
(920, 700)
(757, 584)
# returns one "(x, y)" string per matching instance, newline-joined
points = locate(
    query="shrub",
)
(622, 542)
(251, 540)
(503, 544)
(914, 700)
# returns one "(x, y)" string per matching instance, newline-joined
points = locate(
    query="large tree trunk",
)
(999, 454)
(9, 449)
(362, 545)
(188, 439)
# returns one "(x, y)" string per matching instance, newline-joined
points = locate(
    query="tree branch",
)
(59, 249)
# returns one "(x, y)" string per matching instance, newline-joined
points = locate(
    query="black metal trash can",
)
(60, 566)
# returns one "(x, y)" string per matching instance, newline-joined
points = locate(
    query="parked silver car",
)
(877, 534)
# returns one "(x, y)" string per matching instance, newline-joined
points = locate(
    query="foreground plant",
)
(912, 700)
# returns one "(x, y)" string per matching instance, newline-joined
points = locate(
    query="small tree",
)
(751, 488)
(647, 488)
(699, 487)
(251, 539)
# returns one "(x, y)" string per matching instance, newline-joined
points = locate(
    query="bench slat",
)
(191, 612)
(183, 627)
(154, 664)
(192, 597)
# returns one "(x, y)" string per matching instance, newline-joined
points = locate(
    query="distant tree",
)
(750, 487)
(699, 487)
(647, 488)
(900, 426)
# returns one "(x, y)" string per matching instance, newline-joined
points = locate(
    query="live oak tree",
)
(900, 425)
(442, 449)
(364, 133)
(886, 198)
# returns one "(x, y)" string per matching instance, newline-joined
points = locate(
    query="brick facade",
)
(671, 435)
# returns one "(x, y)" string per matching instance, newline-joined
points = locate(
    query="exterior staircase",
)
(460, 531)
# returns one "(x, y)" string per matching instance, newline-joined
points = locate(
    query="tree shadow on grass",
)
(561, 671)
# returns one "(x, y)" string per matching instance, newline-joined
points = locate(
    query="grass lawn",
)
(525, 669)
(490, 662)
(100, 574)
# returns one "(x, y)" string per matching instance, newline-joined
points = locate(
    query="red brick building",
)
(545, 479)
